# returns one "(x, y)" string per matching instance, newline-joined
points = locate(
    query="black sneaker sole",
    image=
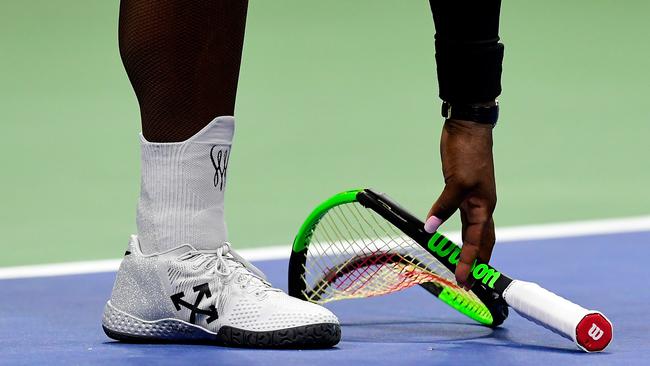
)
(311, 336)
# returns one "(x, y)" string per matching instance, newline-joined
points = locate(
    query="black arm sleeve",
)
(468, 52)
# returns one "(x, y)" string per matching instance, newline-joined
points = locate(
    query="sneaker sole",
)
(123, 327)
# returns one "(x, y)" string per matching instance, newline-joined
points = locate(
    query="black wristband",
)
(469, 55)
(468, 112)
(469, 73)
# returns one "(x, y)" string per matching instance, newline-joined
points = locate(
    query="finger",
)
(487, 243)
(478, 238)
(463, 221)
(462, 270)
(468, 254)
(488, 240)
(445, 206)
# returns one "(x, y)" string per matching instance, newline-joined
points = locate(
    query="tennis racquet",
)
(360, 244)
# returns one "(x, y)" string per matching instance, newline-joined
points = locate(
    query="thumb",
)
(445, 206)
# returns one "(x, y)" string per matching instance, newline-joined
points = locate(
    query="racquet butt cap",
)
(594, 332)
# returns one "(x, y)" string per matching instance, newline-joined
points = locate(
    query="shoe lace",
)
(226, 263)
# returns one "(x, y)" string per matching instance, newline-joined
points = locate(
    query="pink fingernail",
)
(432, 224)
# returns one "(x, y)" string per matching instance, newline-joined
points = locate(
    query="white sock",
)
(182, 189)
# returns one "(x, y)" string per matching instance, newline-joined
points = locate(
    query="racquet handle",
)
(589, 329)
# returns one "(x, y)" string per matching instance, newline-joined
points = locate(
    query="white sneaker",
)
(186, 295)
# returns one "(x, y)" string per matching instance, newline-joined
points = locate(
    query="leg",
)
(179, 281)
(182, 57)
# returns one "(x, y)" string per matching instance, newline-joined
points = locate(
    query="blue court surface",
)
(56, 320)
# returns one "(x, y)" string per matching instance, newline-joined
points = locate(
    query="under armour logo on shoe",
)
(201, 290)
(220, 164)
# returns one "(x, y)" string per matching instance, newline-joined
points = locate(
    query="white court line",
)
(507, 234)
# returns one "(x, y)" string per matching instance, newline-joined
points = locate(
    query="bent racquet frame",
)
(590, 330)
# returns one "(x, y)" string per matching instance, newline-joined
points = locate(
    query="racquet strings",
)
(355, 253)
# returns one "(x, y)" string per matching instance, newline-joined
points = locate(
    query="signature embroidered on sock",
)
(220, 163)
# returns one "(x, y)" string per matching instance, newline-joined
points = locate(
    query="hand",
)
(468, 169)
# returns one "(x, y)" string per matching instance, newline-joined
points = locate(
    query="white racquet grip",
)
(589, 329)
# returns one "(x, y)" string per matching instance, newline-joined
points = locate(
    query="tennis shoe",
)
(185, 295)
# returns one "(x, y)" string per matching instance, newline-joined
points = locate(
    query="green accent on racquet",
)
(349, 247)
